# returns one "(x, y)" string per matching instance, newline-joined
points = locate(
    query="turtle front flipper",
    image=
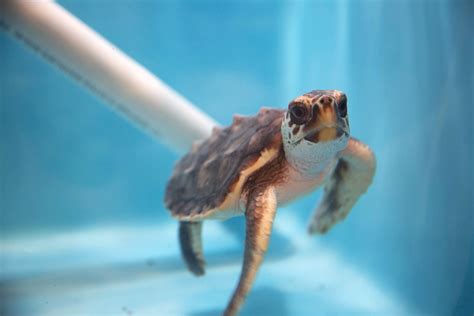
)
(191, 246)
(350, 179)
(261, 208)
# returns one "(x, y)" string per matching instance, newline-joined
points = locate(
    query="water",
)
(83, 226)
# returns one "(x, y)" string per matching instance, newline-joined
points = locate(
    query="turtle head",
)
(315, 125)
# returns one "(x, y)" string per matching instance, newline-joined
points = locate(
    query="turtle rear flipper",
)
(191, 246)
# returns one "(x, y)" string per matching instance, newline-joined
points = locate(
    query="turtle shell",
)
(216, 168)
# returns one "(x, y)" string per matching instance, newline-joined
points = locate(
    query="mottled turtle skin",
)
(261, 162)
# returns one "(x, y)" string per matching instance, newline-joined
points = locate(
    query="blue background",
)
(68, 163)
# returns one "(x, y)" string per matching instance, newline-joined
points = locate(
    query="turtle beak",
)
(324, 124)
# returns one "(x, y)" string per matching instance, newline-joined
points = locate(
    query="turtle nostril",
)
(326, 101)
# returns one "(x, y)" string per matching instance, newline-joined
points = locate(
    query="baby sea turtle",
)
(261, 162)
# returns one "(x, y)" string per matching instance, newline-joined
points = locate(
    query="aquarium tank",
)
(84, 228)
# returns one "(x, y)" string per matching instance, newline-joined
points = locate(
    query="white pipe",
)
(124, 84)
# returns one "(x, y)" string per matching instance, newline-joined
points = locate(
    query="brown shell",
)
(205, 176)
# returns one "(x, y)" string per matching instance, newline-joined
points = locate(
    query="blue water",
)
(84, 230)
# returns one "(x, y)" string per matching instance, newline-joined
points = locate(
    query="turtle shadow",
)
(265, 300)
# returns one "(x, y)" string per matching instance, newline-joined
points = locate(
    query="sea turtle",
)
(261, 162)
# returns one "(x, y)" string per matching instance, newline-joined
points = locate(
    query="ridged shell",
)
(204, 177)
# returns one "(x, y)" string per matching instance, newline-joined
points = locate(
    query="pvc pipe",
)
(87, 57)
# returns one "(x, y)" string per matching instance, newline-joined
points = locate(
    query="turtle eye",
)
(298, 114)
(342, 107)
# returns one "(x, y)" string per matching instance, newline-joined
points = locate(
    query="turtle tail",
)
(191, 246)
